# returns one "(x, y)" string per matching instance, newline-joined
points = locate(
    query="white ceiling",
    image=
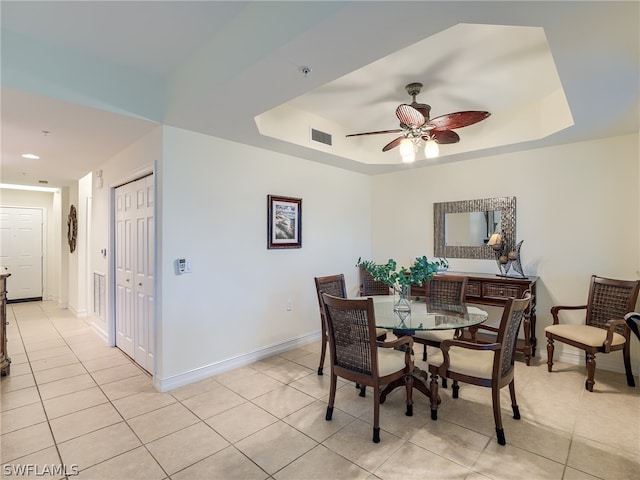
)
(98, 75)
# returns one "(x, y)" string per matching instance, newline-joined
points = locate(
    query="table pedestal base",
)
(420, 382)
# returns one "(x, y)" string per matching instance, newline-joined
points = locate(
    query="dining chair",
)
(443, 288)
(357, 356)
(488, 365)
(370, 286)
(604, 329)
(333, 285)
(447, 289)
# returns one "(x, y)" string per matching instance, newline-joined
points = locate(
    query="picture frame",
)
(284, 222)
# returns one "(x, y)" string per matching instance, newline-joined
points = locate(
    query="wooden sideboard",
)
(5, 361)
(495, 290)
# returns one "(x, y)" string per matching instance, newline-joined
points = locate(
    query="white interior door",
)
(124, 269)
(21, 239)
(144, 272)
(134, 254)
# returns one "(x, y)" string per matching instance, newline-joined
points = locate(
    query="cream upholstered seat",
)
(585, 334)
(604, 329)
(357, 356)
(488, 365)
(474, 363)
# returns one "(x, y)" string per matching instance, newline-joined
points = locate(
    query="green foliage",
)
(420, 271)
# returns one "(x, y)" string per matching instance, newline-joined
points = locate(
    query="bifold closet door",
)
(134, 254)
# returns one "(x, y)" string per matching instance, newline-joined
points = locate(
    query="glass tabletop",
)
(429, 315)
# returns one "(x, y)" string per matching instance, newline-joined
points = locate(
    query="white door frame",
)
(43, 247)
(111, 284)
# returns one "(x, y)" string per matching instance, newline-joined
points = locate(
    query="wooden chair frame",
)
(445, 288)
(354, 352)
(334, 285)
(449, 288)
(608, 302)
(503, 349)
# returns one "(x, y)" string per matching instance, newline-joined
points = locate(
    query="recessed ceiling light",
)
(28, 187)
(30, 156)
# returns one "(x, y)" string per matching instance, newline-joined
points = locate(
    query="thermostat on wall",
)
(182, 266)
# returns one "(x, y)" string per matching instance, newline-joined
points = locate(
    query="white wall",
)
(577, 210)
(78, 262)
(72, 264)
(134, 161)
(214, 213)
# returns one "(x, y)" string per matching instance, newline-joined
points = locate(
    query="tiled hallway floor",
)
(71, 400)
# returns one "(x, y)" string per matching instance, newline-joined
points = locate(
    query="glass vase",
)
(401, 298)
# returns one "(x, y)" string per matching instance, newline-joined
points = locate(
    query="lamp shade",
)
(406, 147)
(495, 241)
(407, 150)
(431, 149)
(409, 158)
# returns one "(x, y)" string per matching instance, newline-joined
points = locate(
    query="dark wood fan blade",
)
(409, 116)
(395, 130)
(392, 143)
(443, 136)
(451, 121)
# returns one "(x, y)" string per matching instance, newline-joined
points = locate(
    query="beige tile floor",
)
(71, 400)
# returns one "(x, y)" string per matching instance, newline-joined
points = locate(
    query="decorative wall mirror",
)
(462, 229)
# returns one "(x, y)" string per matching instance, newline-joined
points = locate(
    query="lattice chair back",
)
(609, 299)
(447, 289)
(332, 285)
(370, 286)
(512, 317)
(352, 334)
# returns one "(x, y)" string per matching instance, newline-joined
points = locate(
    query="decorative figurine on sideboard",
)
(506, 257)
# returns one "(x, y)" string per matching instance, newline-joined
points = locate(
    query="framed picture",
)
(284, 220)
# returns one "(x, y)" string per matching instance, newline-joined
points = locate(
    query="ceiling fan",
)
(416, 127)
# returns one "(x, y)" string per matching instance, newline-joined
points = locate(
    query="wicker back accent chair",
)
(447, 289)
(488, 365)
(604, 329)
(336, 286)
(358, 357)
(371, 286)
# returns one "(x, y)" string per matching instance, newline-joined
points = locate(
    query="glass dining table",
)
(424, 315)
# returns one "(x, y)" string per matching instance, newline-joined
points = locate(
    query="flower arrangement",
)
(420, 271)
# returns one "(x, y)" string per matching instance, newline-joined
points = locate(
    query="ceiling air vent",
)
(322, 137)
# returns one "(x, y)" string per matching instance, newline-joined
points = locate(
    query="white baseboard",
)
(102, 333)
(181, 379)
(77, 313)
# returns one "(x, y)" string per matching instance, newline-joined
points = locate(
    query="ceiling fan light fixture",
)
(431, 149)
(407, 150)
(406, 147)
(417, 126)
(409, 158)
